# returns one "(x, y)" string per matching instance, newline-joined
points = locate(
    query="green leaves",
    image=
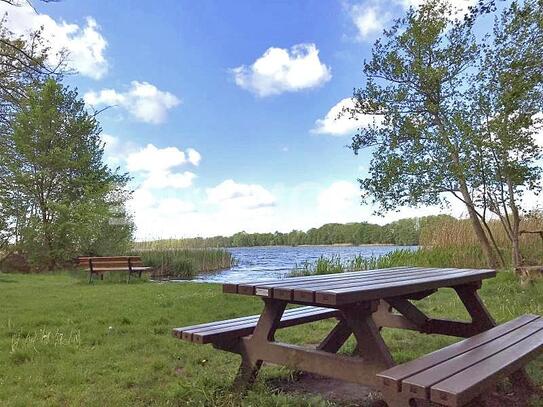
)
(65, 194)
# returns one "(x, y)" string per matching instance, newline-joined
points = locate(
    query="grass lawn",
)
(64, 342)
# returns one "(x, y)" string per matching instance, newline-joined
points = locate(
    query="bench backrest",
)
(110, 262)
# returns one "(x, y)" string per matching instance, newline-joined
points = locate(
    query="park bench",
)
(463, 373)
(220, 332)
(101, 265)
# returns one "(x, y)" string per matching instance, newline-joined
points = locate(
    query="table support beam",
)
(336, 338)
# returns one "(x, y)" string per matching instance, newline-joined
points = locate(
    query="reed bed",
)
(179, 262)
(457, 234)
(469, 256)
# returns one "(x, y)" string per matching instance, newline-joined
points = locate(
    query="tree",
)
(58, 193)
(508, 97)
(456, 117)
(423, 143)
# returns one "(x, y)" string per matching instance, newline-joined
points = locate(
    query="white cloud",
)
(154, 159)
(166, 179)
(194, 157)
(142, 100)
(339, 196)
(157, 166)
(337, 123)
(85, 45)
(232, 194)
(282, 70)
(368, 19)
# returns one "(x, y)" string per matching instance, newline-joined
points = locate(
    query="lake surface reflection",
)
(260, 263)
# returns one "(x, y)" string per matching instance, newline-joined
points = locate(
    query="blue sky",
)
(223, 111)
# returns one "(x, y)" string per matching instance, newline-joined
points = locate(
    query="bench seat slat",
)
(186, 332)
(394, 376)
(253, 319)
(459, 389)
(457, 374)
(420, 383)
(238, 327)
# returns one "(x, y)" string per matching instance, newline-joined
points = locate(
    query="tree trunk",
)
(478, 228)
(515, 227)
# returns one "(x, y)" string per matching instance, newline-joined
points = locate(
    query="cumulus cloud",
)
(84, 45)
(337, 123)
(157, 166)
(368, 19)
(154, 159)
(283, 70)
(142, 100)
(232, 194)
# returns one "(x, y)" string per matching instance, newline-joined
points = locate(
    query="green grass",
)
(65, 342)
(422, 257)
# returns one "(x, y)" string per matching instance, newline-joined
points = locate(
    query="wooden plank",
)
(230, 332)
(419, 384)
(287, 290)
(188, 330)
(248, 287)
(392, 378)
(307, 294)
(244, 320)
(461, 388)
(105, 264)
(311, 280)
(86, 258)
(361, 293)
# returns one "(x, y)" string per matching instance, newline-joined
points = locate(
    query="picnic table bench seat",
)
(221, 331)
(100, 265)
(464, 372)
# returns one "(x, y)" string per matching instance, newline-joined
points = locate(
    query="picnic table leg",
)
(483, 321)
(480, 316)
(336, 338)
(264, 332)
(370, 345)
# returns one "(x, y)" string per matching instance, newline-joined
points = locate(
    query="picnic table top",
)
(347, 288)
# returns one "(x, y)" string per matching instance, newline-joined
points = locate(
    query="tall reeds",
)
(458, 234)
(181, 262)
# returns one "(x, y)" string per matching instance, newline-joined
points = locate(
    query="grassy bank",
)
(424, 257)
(183, 262)
(64, 342)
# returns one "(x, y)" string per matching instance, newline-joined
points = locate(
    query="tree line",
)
(401, 232)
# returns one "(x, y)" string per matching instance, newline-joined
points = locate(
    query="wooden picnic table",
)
(366, 301)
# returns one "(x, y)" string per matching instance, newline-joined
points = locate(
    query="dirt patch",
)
(350, 394)
(343, 393)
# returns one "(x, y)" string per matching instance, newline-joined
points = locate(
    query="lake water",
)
(256, 263)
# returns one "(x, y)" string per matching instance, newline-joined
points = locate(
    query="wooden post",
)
(129, 269)
(370, 344)
(90, 270)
